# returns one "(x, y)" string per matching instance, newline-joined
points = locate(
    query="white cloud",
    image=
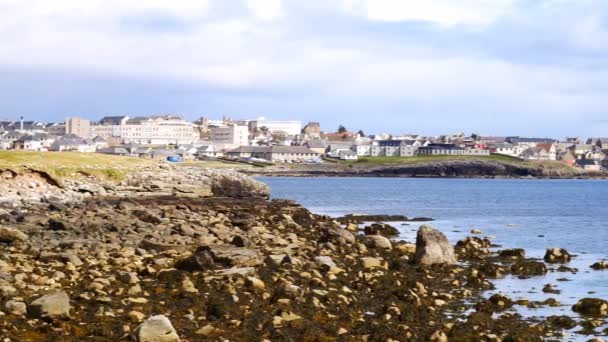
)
(266, 9)
(441, 12)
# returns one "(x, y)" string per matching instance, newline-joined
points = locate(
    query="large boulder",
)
(528, 268)
(11, 235)
(378, 241)
(381, 229)
(53, 305)
(557, 255)
(433, 247)
(156, 329)
(591, 307)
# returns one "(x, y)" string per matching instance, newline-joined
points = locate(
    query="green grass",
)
(552, 166)
(73, 164)
(422, 159)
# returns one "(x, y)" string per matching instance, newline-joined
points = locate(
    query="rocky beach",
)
(188, 254)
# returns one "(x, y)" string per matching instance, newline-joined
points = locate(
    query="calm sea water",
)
(529, 214)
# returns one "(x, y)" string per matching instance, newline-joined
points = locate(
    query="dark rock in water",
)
(433, 247)
(496, 303)
(492, 270)
(527, 268)
(561, 322)
(352, 218)
(557, 255)
(601, 265)
(591, 307)
(381, 229)
(473, 247)
(517, 253)
(550, 289)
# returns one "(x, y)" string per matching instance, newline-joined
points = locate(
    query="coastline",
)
(435, 169)
(228, 264)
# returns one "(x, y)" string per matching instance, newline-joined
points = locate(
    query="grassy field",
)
(71, 164)
(420, 159)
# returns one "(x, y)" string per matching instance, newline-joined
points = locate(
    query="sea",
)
(533, 214)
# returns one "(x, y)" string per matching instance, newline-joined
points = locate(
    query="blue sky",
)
(496, 67)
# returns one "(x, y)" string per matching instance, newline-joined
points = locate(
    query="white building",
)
(231, 135)
(152, 130)
(279, 127)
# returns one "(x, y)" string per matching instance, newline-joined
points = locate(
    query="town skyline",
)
(499, 68)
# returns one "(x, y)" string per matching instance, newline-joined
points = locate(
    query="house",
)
(7, 140)
(441, 149)
(535, 153)
(318, 146)
(550, 149)
(395, 148)
(567, 157)
(580, 151)
(509, 149)
(117, 151)
(348, 155)
(363, 149)
(335, 149)
(599, 142)
(209, 151)
(588, 165)
(274, 153)
(73, 143)
(33, 142)
(100, 142)
(312, 129)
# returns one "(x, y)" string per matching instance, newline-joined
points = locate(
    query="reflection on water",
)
(529, 214)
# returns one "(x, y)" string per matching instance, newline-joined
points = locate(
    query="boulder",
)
(207, 257)
(156, 329)
(557, 255)
(53, 305)
(10, 235)
(516, 253)
(369, 263)
(432, 247)
(600, 265)
(378, 241)
(496, 303)
(591, 307)
(527, 268)
(381, 229)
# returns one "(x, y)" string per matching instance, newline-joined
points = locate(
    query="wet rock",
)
(10, 235)
(52, 305)
(156, 329)
(557, 255)
(476, 231)
(527, 268)
(550, 289)
(432, 247)
(591, 307)
(496, 303)
(517, 253)
(561, 322)
(57, 225)
(600, 265)
(381, 229)
(377, 241)
(473, 247)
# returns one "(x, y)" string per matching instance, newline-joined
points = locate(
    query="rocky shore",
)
(432, 169)
(179, 254)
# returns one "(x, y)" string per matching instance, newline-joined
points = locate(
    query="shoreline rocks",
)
(432, 247)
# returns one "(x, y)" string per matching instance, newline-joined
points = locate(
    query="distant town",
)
(171, 137)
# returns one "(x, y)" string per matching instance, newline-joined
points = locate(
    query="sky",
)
(492, 67)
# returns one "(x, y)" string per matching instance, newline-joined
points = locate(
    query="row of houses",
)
(47, 142)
